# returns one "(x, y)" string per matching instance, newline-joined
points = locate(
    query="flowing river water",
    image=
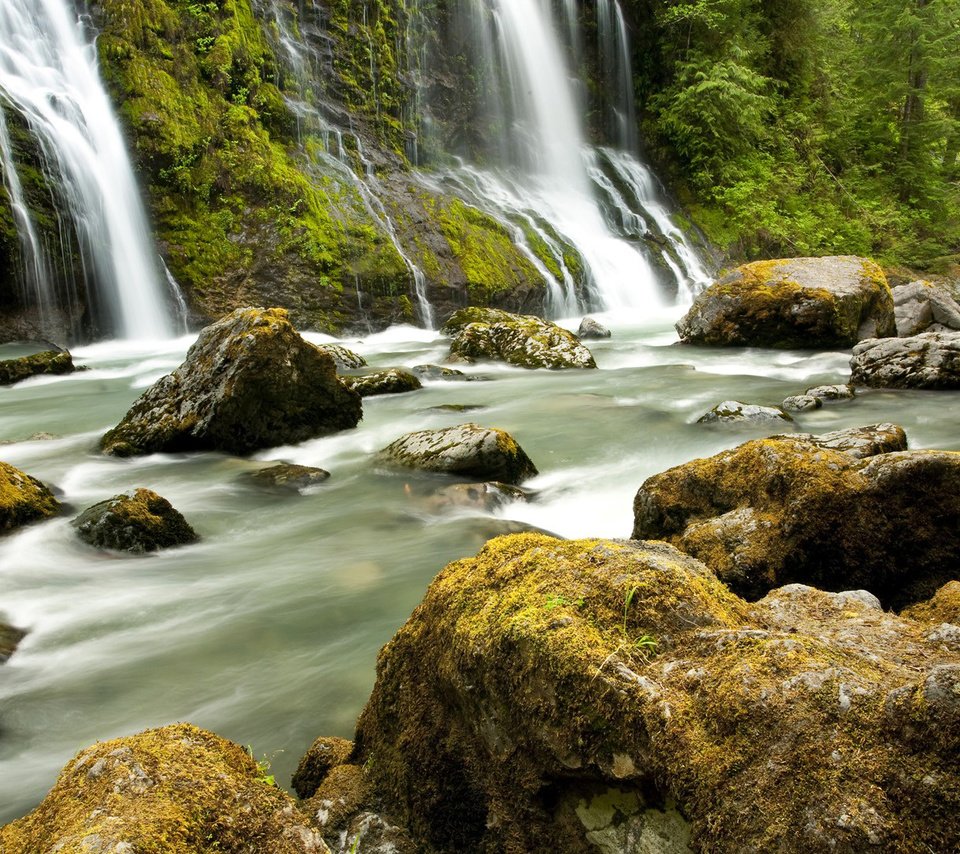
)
(267, 631)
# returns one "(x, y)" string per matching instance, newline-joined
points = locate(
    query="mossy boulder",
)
(174, 789)
(943, 607)
(249, 382)
(735, 412)
(23, 499)
(797, 303)
(324, 755)
(136, 521)
(923, 307)
(392, 381)
(517, 339)
(614, 695)
(48, 362)
(837, 512)
(467, 450)
(930, 360)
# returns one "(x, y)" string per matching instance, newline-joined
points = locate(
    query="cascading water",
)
(48, 75)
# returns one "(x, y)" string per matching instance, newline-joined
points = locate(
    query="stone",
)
(439, 372)
(249, 382)
(48, 362)
(343, 358)
(522, 340)
(930, 360)
(467, 450)
(943, 607)
(287, 477)
(592, 329)
(324, 755)
(832, 393)
(137, 521)
(837, 512)
(923, 307)
(23, 499)
(733, 411)
(173, 789)
(477, 497)
(801, 403)
(10, 637)
(393, 381)
(816, 303)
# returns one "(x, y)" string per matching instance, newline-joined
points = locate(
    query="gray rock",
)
(923, 307)
(137, 521)
(343, 358)
(930, 360)
(801, 403)
(592, 329)
(859, 442)
(439, 372)
(733, 411)
(832, 393)
(468, 450)
(49, 362)
(392, 381)
(287, 477)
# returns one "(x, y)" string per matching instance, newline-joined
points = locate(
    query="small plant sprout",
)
(645, 645)
(558, 601)
(263, 769)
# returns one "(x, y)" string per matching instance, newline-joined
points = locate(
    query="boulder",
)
(48, 362)
(174, 789)
(801, 403)
(602, 695)
(249, 382)
(832, 393)
(324, 755)
(393, 381)
(343, 358)
(467, 450)
(733, 411)
(930, 360)
(136, 521)
(523, 340)
(23, 499)
(287, 477)
(592, 329)
(10, 637)
(922, 307)
(795, 303)
(836, 511)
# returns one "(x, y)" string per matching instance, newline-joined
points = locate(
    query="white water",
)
(48, 72)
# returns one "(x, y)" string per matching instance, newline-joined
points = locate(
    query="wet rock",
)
(735, 411)
(592, 329)
(832, 393)
(177, 788)
(523, 340)
(393, 381)
(923, 307)
(802, 403)
(596, 694)
(343, 358)
(49, 362)
(324, 755)
(859, 442)
(10, 637)
(469, 450)
(287, 477)
(930, 360)
(827, 511)
(801, 302)
(480, 497)
(249, 382)
(439, 372)
(136, 521)
(23, 499)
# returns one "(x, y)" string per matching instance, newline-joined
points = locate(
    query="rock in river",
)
(48, 362)
(930, 360)
(23, 499)
(137, 521)
(249, 382)
(733, 411)
(392, 381)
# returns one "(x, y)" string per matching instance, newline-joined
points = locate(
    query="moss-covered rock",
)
(249, 382)
(324, 755)
(930, 360)
(136, 521)
(392, 381)
(798, 509)
(580, 693)
(467, 450)
(943, 607)
(23, 499)
(287, 477)
(523, 340)
(175, 789)
(48, 362)
(800, 302)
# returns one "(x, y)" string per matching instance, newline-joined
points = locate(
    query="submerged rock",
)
(480, 497)
(287, 477)
(923, 307)
(174, 789)
(393, 381)
(468, 450)
(249, 382)
(136, 521)
(23, 499)
(10, 637)
(523, 340)
(439, 372)
(49, 362)
(837, 511)
(930, 360)
(735, 411)
(800, 302)
(578, 690)
(592, 329)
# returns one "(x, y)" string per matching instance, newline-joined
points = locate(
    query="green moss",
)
(23, 499)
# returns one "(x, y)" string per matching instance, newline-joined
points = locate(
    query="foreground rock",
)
(816, 303)
(578, 690)
(393, 381)
(930, 360)
(804, 509)
(49, 362)
(23, 499)
(175, 789)
(735, 412)
(467, 450)
(249, 382)
(137, 521)
(523, 340)
(10, 637)
(923, 307)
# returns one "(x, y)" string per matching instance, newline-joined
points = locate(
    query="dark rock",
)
(324, 755)
(10, 637)
(343, 358)
(288, 477)
(802, 403)
(930, 360)
(801, 302)
(832, 393)
(249, 382)
(393, 381)
(795, 509)
(923, 307)
(23, 499)
(49, 362)
(137, 521)
(735, 411)
(177, 788)
(592, 329)
(484, 453)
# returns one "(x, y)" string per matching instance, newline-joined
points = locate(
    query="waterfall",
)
(49, 76)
